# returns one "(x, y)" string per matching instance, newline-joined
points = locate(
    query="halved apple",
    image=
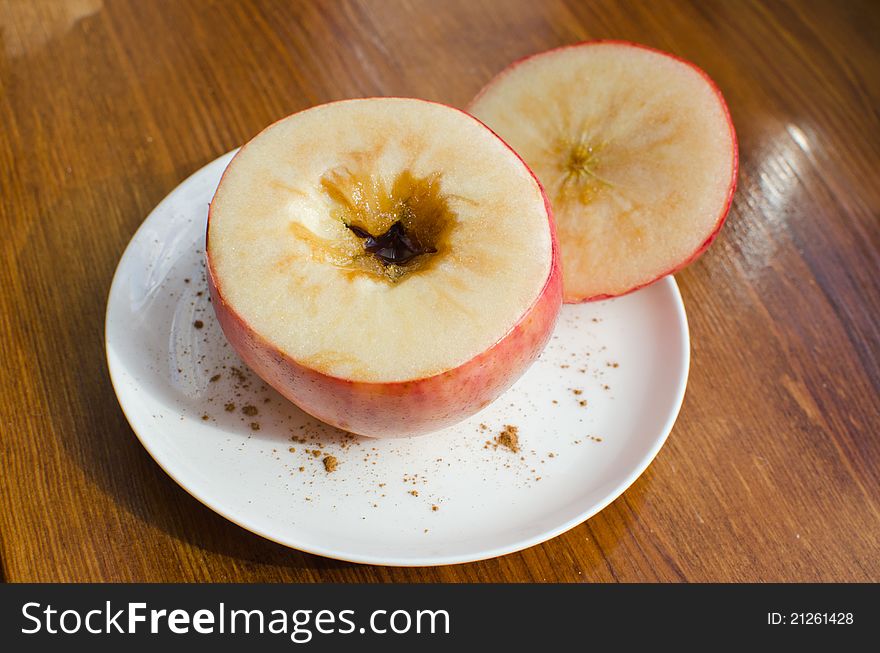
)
(389, 265)
(635, 149)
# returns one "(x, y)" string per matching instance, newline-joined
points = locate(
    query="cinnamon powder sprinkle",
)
(229, 407)
(508, 438)
(255, 426)
(250, 411)
(330, 463)
(198, 324)
(240, 376)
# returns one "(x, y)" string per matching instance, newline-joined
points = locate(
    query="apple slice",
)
(635, 149)
(389, 265)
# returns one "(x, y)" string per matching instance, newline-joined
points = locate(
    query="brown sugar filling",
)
(396, 229)
(394, 247)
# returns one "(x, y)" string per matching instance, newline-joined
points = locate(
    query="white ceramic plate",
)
(591, 414)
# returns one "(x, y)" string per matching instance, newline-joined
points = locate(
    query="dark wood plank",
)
(773, 470)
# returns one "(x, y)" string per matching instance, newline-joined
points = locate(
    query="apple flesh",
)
(635, 149)
(389, 265)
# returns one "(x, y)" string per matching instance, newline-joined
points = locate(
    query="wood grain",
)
(773, 470)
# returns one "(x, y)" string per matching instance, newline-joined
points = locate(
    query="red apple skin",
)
(406, 408)
(734, 162)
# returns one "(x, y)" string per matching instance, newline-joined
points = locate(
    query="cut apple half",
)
(387, 264)
(636, 151)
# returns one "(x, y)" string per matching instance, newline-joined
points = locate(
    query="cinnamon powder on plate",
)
(508, 438)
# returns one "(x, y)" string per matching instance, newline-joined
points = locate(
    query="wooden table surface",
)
(772, 472)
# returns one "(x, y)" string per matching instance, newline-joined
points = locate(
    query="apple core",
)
(579, 165)
(401, 225)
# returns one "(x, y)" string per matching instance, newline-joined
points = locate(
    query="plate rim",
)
(424, 561)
